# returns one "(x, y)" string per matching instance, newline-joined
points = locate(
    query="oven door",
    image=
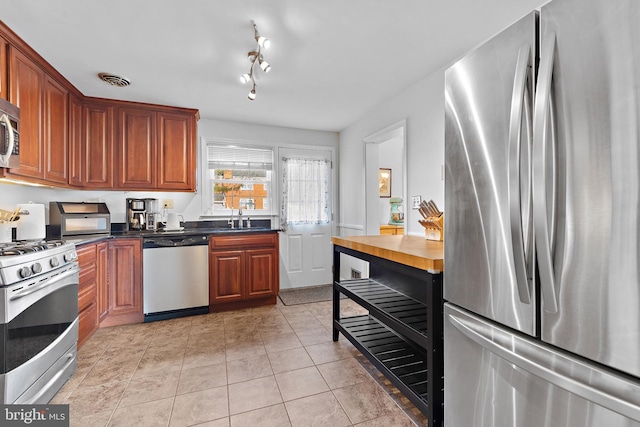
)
(38, 333)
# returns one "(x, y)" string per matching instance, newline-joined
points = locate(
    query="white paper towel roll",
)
(31, 225)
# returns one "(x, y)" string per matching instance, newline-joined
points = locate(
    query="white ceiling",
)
(332, 60)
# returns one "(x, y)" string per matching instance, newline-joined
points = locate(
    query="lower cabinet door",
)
(261, 273)
(124, 282)
(226, 276)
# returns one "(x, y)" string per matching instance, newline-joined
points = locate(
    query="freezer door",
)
(489, 248)
(494, 378)
(587, 206)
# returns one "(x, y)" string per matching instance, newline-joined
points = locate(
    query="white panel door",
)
(305, 249)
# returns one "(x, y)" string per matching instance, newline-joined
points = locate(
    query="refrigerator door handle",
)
(601, 388)
(518, 102)
(542, 179)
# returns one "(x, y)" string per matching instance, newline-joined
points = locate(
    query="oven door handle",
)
(71, 357)
(48, 282)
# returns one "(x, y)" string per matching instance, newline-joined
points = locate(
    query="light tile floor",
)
(267, 366)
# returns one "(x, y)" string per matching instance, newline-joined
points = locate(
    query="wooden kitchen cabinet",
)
(26, 88)
(56, 131)
(87, 292)
(176, 151)
(261, 278)
(75, 149)
(68, 140)
(226, 276)
(98, 149)
(124, 284)
(156, 149)
(243, 271)
(4, 70)
(102, 265)
(92, 288)
(136, 148)
(391, 230)
(43, 104)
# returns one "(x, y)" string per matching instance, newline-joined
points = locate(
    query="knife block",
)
(433, 233)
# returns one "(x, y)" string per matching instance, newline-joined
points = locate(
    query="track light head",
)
(245, 78)
(264, 42)
(265, 66)
(252, 94)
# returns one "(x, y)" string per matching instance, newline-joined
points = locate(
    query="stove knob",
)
(24, 272)
(69, 256)
(36, 268)
(55, 262)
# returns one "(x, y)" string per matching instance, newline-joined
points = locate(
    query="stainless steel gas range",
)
(38, 319)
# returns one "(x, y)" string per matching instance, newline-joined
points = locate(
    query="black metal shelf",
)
(401, 362)
(400, 312)
(402, 334)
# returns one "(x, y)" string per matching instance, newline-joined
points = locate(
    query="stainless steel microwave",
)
(9, 135)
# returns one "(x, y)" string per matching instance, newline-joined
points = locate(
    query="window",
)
(238, 177)
(305, 191)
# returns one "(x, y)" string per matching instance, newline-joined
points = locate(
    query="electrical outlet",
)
(415, 202)
(167, 203)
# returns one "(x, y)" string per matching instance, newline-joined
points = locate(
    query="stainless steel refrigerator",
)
(542, 238)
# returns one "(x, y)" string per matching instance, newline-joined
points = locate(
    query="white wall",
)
(187, 203)
(422, 105)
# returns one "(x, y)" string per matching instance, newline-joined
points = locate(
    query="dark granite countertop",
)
(190, 228)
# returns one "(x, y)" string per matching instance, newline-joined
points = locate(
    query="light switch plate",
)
(415, 202)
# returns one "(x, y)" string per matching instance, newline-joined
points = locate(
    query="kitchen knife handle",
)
(515, 174)
(542, 124)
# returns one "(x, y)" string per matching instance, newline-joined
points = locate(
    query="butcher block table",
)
(402, 334)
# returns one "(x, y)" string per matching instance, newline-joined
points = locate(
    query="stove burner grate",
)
(24, 247)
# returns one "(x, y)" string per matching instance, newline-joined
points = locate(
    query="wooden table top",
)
(413, 251)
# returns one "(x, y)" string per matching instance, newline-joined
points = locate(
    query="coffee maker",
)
(151, 209)
(141, 214)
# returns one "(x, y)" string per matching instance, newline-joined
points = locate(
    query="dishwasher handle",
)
(168, 242)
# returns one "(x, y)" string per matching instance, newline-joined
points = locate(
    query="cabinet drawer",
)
(246, 242)
(87, 296)
(86, 255)
(88, 323)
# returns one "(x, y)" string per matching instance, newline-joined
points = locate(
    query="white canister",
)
(31, 225)
(5, 232)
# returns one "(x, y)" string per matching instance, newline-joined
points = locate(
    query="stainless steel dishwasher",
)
(175, 276)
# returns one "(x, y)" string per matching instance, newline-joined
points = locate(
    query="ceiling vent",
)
(114, 80)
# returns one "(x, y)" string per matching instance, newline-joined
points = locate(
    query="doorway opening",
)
(385, 156)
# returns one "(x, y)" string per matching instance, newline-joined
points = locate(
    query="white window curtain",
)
(305, 192)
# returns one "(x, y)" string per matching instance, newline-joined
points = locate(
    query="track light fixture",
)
(256, 56)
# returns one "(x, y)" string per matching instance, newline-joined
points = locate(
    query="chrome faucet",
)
(230, 221)
(240, 217)
(248, 222)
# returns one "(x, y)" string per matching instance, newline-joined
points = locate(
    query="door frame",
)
(394, 130)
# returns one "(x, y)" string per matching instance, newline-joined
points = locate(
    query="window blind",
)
(228, 157)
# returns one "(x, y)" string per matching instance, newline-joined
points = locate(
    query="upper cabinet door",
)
(56, 136)
(98, 124)
(27, 80)
(176, 151)
(76, 148)
(137, 148)
(4, 71)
